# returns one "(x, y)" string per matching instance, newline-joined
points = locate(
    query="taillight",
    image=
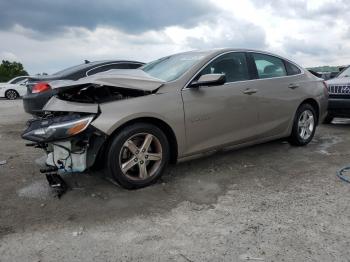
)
(325, 88)
(41, 87)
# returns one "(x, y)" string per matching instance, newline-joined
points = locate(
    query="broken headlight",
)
(56, 128)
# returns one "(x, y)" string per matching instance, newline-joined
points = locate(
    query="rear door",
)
(223, 114)
(279, 93)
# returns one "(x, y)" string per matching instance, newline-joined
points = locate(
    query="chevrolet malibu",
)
(133, 123)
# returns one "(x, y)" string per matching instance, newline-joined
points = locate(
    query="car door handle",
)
(293, 86)
(250, 91)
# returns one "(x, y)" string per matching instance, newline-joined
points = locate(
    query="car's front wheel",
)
(138, 155)
(11, 94)
(304, 125)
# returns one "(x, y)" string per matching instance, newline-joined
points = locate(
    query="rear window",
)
(73, 69)
(108, 67)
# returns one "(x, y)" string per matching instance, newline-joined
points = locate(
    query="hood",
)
(129, 79)
(339, 81)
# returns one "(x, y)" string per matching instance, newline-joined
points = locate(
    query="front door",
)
(224, 114)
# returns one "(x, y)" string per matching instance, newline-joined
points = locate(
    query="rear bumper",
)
(339, 107)
(34, 103)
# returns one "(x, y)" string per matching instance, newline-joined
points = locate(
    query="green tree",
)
(9, 70)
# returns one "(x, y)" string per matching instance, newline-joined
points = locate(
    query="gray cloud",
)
(133, 16)
(228, 31)
(294, 46)
(347, 33)
(301, 9)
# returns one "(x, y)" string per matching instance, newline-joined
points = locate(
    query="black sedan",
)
(39, 90)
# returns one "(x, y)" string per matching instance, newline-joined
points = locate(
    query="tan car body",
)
(207, 118)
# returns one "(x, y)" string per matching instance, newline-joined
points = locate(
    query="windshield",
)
(172, 67)
(345, 73)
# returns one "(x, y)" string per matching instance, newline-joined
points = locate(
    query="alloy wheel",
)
(11, 95)
(141, 156)
(306, 124)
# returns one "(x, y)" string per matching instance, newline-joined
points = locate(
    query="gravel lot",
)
(271, 202)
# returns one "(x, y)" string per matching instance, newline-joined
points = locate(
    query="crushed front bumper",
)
(73, 154)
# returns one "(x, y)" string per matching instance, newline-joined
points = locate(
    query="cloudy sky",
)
(47, 36)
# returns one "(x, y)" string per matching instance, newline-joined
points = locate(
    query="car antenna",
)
(86, 61)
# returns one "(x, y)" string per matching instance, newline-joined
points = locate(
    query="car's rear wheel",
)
(304, 125)
(138, 155)
(11, 94)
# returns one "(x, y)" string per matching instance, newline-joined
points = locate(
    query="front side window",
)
(233, 65)
(269, 66)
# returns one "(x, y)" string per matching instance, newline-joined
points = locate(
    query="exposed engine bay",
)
(64, 130)
(69, 141)
(92, 93)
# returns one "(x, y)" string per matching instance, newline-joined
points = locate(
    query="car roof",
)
(218, 51)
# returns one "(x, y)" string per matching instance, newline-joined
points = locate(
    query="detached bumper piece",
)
(56, 182)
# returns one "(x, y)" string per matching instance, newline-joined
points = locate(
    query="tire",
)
(129, 158)
(11, 94)
(328, 119)
(304, 126)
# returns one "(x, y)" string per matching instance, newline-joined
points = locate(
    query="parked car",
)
(319, 75)
(14, 88)
(135, 122)
(328, 75)
(39, 89)
(339, 96)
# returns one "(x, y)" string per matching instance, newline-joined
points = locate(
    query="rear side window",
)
(292, 69)
(233, 65)
(269, 66)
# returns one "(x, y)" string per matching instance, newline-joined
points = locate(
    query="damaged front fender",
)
(57, 105)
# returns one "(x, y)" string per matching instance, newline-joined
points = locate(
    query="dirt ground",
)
(270, 202)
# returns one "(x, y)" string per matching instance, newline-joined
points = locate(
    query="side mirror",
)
(210, 80)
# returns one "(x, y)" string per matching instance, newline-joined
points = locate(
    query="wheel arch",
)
(315, 105)
(11, 89)
(168, 131)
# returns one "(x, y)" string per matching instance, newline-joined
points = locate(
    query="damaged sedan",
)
(133, 123)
